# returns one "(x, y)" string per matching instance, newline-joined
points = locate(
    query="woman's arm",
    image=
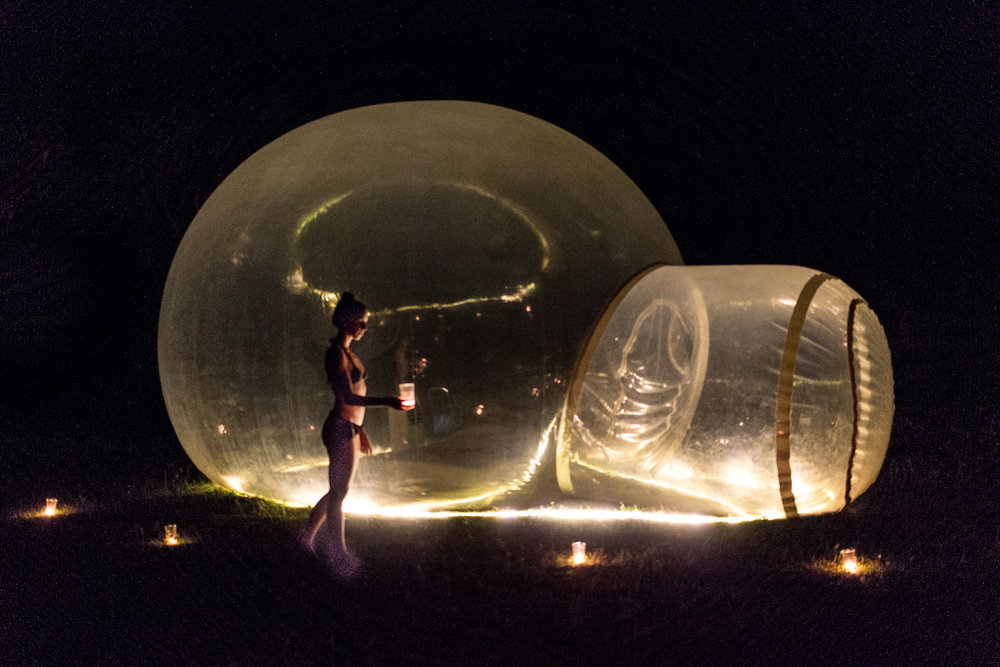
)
(339, 378)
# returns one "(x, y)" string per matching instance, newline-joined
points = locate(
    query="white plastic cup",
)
(407, 393)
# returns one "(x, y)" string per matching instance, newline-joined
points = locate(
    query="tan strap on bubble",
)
(786, 380)
(855, 402)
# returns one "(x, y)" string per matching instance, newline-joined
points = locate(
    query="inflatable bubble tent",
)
(561, 352)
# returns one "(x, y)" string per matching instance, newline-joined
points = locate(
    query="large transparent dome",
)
(486, 243)
(533, 295)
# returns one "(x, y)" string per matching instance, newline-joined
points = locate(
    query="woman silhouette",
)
(343, 435)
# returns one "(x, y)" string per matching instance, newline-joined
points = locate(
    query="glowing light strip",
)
(418, 512)
(469, 187)
(511, 206)
(296, 282)
(557, 514)
(323, 208)
(522, 291)
(276, 501)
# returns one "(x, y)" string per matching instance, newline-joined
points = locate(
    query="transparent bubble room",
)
(562, 354)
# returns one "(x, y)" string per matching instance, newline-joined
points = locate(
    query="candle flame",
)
(849, 560)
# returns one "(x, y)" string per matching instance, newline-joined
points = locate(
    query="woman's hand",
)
(400, 404)
(366, 444)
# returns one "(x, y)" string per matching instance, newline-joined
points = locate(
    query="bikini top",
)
(332, 366)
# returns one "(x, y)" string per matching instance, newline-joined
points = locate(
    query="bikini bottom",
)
(336, 430)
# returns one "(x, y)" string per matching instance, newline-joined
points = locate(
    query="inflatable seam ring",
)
(786, 377)
(855, 402)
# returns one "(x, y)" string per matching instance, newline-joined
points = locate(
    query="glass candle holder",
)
(407, 393)
(849, 560)
(50, 506)
(170, 533)
(579, 553)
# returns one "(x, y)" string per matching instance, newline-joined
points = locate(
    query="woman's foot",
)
(344, 565)
(305, 543)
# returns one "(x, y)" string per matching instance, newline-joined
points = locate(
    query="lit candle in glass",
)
(170, 533)
(407, 394)
(849, 560)
(579, 553)
(50, 506)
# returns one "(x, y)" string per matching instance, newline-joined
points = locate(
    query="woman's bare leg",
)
(342, 468)
(317, 517)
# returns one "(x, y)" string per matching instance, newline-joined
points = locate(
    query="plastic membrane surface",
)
(677, 399)
(535, 298)
(484, 241)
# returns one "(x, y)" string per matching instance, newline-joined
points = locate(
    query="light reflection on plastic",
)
(680, 471)
(553, 513)
(742, 477)
(739, 515)
(234, 483)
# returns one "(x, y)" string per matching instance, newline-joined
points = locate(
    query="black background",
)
(861, 139)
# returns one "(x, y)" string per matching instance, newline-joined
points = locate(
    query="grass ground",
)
(95, 585)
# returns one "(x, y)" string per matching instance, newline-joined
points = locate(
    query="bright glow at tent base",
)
(548, 513)
(362, 508)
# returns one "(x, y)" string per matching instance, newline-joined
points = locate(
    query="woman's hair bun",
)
(347, 309)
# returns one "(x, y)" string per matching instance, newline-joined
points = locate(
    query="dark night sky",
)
(861, 142)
